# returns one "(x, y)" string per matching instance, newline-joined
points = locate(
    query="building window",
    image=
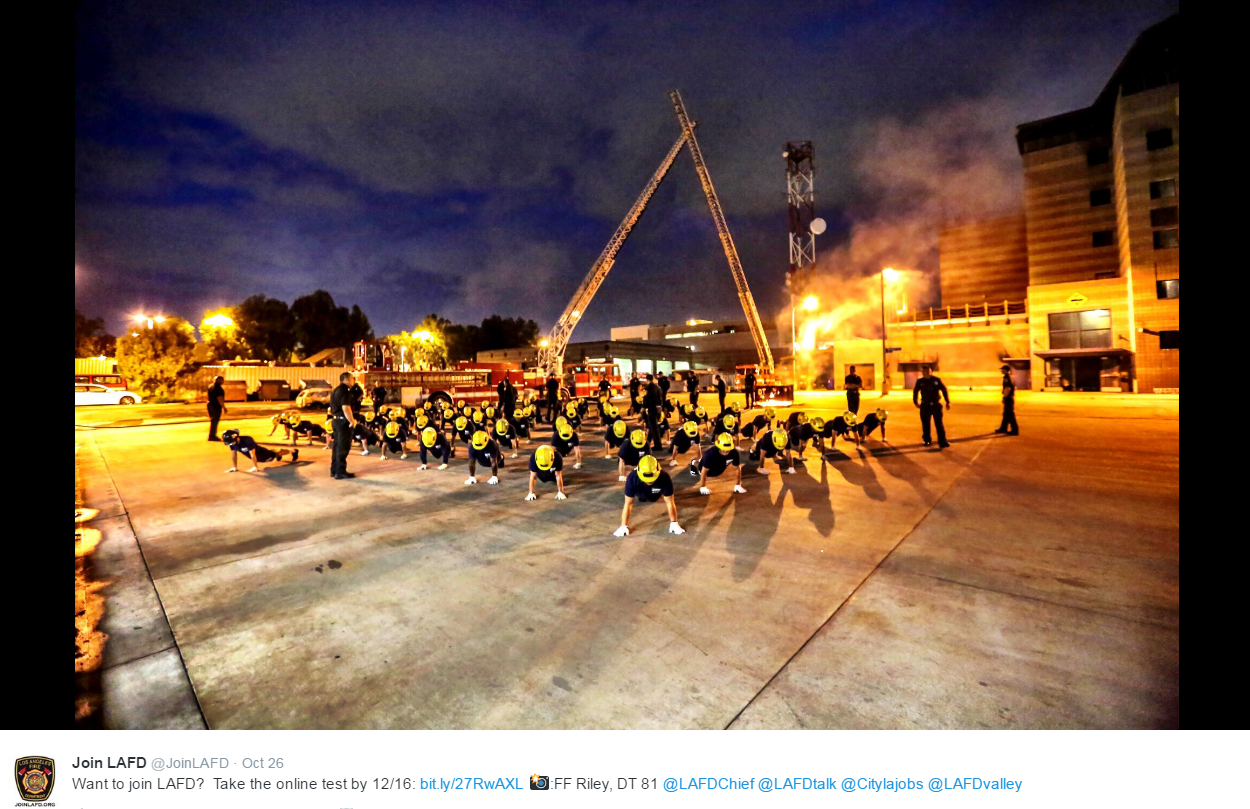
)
(1097, 155)
(1158, 139)
(1099, 196)
(1088, 329)
(1167, 238)
(1168, 290)
(1104, 238)
(1161, 189)
(1165, 217)
(1170, 339)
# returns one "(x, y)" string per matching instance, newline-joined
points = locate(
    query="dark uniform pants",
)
(214, 416)
(694, 397)
(750, 398)
(341, 447)
(553, 409)
(721, 396)
(934, 412)
(852, 402)
(1009, 425)
(652, 416)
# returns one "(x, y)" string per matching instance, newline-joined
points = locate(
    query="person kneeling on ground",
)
(546, 465)
(248, 446)
(716, 459)
(630, 452)
(507, 436)
(484, 450)
(566, 441)
(646, 484)
(774, 443)
(365, 433)
(432, 441)
(305, 428)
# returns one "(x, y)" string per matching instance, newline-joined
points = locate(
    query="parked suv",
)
(116, 381)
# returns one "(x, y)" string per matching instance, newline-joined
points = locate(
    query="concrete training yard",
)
(1004, 582)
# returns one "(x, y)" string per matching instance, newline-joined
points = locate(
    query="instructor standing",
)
(341, 412)
(927, 395)
(852, 383)
(216, 407)
(1009, 425)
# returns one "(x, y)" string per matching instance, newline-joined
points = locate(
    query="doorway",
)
(1075, 373)
(865, 373)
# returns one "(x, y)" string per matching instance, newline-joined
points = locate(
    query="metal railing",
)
(968, 313)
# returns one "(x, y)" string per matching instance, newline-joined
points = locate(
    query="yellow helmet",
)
(691, 428)
(613, 411)
(518, 414)
(725, 441)
(565, 431)
(398, 412)
(329, 424)
(382, 409)
(479, 439)
(490, 411)
(461, 422)
(423, 421)
(477, 415)
(428, 436)
(545, 457)
(849, 418)
(428, 405)
(818, 424)
(571, 408)
(780, 439)
(701, 412)
(293, 419)
(648, 469)
(561, 420)
(392, 429)
(881, 414)
(801, 418)
(460, 404)
(501, 427)
(529, 410)
(448, 413)
(769, 413)
(619, 429)
(638, 438)
(370, 415)
(729, 422)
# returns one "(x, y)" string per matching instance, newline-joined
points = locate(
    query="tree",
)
(90, 339)
(319, 324)
(266, 327)
(507, 332)
(425, 345)
(156, 359)
(219, 335)
(358, 327)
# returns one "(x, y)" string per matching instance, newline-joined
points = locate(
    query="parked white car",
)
(100, 394)
(313, 397)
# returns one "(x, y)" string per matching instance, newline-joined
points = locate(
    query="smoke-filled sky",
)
(471, 158)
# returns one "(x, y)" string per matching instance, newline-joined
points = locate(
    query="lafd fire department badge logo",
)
(35, 776)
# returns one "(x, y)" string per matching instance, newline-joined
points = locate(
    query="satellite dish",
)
(818, 226)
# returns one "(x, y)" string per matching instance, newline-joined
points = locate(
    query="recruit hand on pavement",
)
(623, 531)
(561, 496)
(493, 480)
(621, 478)
(739, 490)
(442, 466)
(577, 465)
(704, 490)
(470, 480)
(254, 469)
(675, 528)
(531, 496)
(791, 471)
(420, 468)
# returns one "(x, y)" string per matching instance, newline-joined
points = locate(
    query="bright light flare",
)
(424, 336)
(891, 275)
(219, 321)
(544, 342)
(810, 303)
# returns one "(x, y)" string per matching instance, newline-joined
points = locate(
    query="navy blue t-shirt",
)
(548, 476)
(715, 463)
(245, 444)
(765, 444)
(565, 447)
(644, 492)
(682, 441)
(483, 456)
(630, 454)
(802, 432)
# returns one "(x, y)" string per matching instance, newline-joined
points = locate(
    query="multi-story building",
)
(1095, 256)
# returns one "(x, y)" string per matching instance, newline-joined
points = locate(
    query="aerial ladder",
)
(551, 352)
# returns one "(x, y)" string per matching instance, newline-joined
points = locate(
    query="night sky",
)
(473, 158)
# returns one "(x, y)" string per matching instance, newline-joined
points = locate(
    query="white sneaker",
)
(441, 467)
(791, 471)
(364, 452)
(762, 471)
(403, 456)
(514, 455)
(672, 462)
(577, 466)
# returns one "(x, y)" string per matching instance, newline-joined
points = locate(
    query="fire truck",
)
(474, 382)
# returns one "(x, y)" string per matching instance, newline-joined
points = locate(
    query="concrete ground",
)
(1004, 582)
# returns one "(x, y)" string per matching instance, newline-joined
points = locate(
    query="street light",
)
(219, 321)
(893, 275)
(810, 303)
(424, 336)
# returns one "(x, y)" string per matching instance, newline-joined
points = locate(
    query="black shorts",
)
(266, 455)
